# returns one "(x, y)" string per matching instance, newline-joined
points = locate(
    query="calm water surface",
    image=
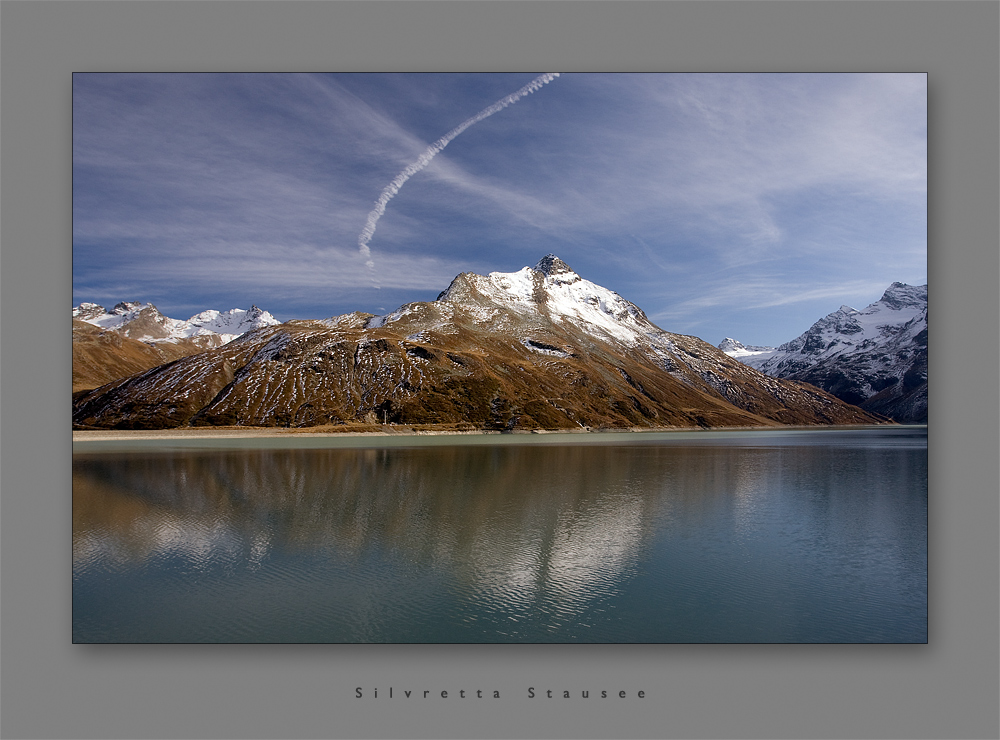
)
(793, 536)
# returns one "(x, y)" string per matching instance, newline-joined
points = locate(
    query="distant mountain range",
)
(537, 348)
(875, 358)
(142, 321)
(134, 336)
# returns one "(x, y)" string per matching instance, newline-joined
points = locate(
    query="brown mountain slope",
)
(538, 348)
(102, 355)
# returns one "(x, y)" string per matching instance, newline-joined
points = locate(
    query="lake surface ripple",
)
(793, 536)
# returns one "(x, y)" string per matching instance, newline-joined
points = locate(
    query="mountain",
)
(536, 348)
(142, 321)
(738, 350)
(103, 355)
(135, 336)
(875, 358)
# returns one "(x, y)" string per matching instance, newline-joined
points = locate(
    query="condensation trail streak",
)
(424, 159)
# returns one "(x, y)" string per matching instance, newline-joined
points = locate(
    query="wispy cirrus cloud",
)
(692, 195)
(390, 190)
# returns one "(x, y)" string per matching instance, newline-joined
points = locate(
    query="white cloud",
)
(762, 294)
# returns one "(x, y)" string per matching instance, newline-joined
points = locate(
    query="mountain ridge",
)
(144, 322)
(537, 348)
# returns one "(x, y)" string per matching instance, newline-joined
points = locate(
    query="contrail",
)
(424, 159)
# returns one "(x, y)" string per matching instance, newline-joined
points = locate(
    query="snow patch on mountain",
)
(544, 348)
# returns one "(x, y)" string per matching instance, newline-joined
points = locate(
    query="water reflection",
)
(487, 543)
(512, 523)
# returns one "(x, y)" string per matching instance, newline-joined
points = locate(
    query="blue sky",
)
(743, 205)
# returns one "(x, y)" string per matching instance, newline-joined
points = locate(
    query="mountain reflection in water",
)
(557, 543)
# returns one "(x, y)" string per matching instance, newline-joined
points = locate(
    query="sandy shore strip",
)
(358, 436)
(116, 440)
(274, 432)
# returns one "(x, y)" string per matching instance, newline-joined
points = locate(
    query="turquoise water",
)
(779, 536)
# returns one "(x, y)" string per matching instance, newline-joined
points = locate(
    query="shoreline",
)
(117, 440)
(86, 435)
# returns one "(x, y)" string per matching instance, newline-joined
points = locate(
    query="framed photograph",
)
(500, 358)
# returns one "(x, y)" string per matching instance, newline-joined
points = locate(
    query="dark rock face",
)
(550, 265)
(899, 295)
(539, 348)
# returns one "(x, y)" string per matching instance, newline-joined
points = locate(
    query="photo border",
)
(51, 688)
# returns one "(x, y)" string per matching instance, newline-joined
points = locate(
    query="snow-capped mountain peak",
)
(848, 330)
(88, 311)
(123, 313)
(550, 289)
(878, 353)
(231, 323)
(737, 349)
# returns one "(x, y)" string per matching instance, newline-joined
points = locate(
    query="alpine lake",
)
(758, 536)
